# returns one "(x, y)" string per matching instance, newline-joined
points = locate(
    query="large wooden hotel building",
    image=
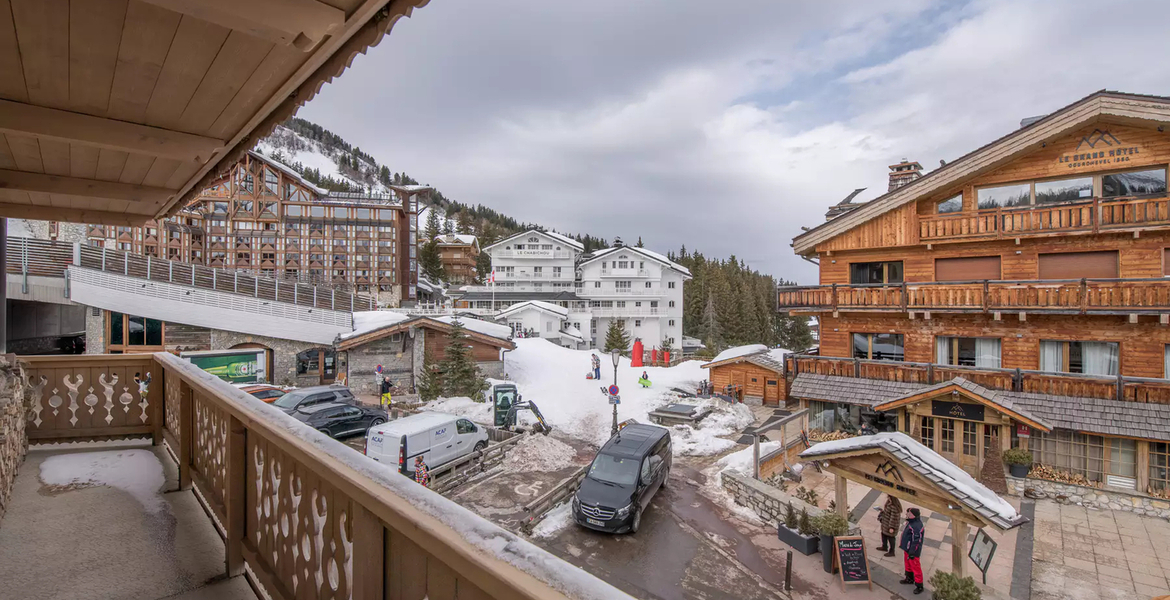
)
(1020, 293)
(262, 217)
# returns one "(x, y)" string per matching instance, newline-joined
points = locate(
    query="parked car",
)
(263, 391)
(626, 473)
(439, 438)
(335, 419)
(314, 395)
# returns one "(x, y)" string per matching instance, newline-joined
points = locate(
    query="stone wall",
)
(13, 417)
(95, 331)
(284, 355)
(767, 502)
(396, 354)
(1103, 499)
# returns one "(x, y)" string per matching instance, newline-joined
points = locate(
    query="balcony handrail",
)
(972, 282)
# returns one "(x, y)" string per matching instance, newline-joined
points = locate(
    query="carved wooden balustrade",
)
(1072, 296)
(1132, 389)
(1094, 216)
(309, 517)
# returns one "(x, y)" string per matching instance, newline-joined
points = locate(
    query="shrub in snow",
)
(948, 586)
(830, 523)
(804, 525)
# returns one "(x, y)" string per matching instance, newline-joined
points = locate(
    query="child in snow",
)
(422, 475)
(645, 380)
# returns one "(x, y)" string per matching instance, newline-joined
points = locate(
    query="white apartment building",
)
(635, 285)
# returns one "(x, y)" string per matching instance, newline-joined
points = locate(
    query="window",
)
(1112, 461)
(926, 433)
(970, 438)
(647, 284)
(1006, 196)
(670, 285)
(596, 284)
(637, 322)
(1160, 468)
(1134, 183)
(128, 333)
(947, 435)
(876, 272)
(670, 304)
(951, 205)
(1077, 265)
(670, 323)
(878, 346)
(1064, 190)
(967, 352)
(1090, 358)
(621, 285)
(464, 426)
(968, 268)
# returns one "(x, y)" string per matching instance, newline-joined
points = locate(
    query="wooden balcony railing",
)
(1086, 216)
(1059, 296)
(309, 517)
(1131, 389)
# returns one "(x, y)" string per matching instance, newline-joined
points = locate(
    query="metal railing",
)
(1120, 387)
(1087, 216)
(28, 256)
(288, 500)
(1060, 296)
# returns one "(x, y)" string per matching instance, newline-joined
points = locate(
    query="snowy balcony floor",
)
(107, 524)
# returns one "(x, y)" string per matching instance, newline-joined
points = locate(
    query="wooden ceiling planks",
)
(6, 159)
(276, 68)
(194, 48)
(235, 63)
(110, 164)
(93, 53)
(11, 71)
(147, 37)
(26, 152)
(44, 49)
(83, 161)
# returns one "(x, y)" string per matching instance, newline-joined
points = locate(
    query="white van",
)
(439, 438)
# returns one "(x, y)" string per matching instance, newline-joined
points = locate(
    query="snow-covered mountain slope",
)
(290, 148)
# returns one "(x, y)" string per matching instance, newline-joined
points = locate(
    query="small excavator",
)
(507, 403)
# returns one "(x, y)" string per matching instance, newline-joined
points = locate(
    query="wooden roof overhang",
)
(955, 389)
(1134, 110)
(425, 322)
(897, 465)
(119, 111)
(756, 359)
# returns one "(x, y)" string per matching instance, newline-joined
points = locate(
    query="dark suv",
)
(624, 476)
(314, 395)
(339, 420)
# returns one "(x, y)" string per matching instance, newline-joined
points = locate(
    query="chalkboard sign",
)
(850, 555)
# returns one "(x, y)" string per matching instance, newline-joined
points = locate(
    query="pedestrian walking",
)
(422, 475)
(889, 520)
(596, 367)
(911, 545)
(386, 398)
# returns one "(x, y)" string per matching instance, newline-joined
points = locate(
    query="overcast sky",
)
(725, 126)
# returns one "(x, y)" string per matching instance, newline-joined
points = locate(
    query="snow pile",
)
(554, 378)
(736, 462)
(725, 419)
(369, 320)
(137, 472)
(739, 351)
(462, 406)
(741, 462)
(553, 522)
(480, 326)
(539, 453)
(778, 354)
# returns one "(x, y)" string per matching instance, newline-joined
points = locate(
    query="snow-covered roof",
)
(479, 326)
(927, 463)
(692, 342)
(568, 241)
(369, 320)
(457, 238)
(290, 172)
(535, 305)
(644, 252)
(573, 332)
(739, 351)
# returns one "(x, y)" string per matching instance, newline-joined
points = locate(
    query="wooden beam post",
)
(369, 554)
(186, 432)
(235, 496)
(756, 456)
(86, 188)
(958, 546)
(841, 492)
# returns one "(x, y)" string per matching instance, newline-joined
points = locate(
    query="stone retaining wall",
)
(13, 416)
(768, 502)
(1099, 498)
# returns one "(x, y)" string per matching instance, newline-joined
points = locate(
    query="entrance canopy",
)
(899, 465)
(117, 111)
(957, 397)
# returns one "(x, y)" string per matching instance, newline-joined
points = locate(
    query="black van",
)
(624, 476)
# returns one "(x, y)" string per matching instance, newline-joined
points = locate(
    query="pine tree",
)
(430, 385)
(991, 475)
(432, 229)
(793, 333)
(447, 227)
(431, 261)
(616, 337)
(709, 329)
(463, 223)
(639, 244)
(461, 376)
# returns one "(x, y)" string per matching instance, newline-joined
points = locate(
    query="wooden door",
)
(772, 390)
(968, 434)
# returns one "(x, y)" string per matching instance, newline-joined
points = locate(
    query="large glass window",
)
(1160, 468)
(946, 435)
(1006, 196)
(926, 433)
(876, 272)
(1064, 190)
(951, 205)
(1134, 183)
(878, 346)
(1112, 461)
(967, 352)
(1090, 358)
(128, 333)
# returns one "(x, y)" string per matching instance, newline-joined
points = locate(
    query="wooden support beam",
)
(841, 491)
(65, 126)
(299, 23)
(958, 546)
(92, 216)
(86, 188)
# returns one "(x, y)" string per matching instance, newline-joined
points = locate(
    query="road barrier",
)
(449, 477)
(537, 509)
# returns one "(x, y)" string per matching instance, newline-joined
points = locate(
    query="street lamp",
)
(615, 355)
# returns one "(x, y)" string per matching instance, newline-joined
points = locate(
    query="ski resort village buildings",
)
(459, 254)
(1018, 296)
(261, 217)
(538, 270)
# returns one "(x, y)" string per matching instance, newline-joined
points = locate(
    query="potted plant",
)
(948, 586)
(829, 525)
(1018, 462)
(796, 531)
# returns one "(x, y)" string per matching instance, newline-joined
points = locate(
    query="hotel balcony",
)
(532, 254)
(626, 312)
(1131, 389)
(1076, 296)
(202, 491)
(625, 272)
(1092, 216)
(619, 292)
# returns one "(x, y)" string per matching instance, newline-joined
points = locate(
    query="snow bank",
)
(462, 406)
(369, 320)
(741, 462)
(739, 351)
(725, 419)
(736, 462)
(137, 472)
(539, 453)
(553, 522)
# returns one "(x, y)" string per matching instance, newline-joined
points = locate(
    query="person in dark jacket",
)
(889, 520)
(912, 537)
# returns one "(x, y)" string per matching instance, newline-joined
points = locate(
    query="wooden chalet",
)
(1033, 269)
(753, 377)
(459, 254)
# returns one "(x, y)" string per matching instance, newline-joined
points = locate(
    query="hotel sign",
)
(1099, 149)
(957, 410)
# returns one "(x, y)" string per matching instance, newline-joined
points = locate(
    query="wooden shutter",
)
(971, 268)
(1075, 265)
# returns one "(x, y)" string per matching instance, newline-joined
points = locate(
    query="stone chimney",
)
(904, 173)
(617, 242)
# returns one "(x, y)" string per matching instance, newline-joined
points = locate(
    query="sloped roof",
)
(568, 241)
(548, 307)
(757, 354)
(477, 330)
(1002, 400)
(1130, 108)
(642, 251)
(848, 390)
(457, 239)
